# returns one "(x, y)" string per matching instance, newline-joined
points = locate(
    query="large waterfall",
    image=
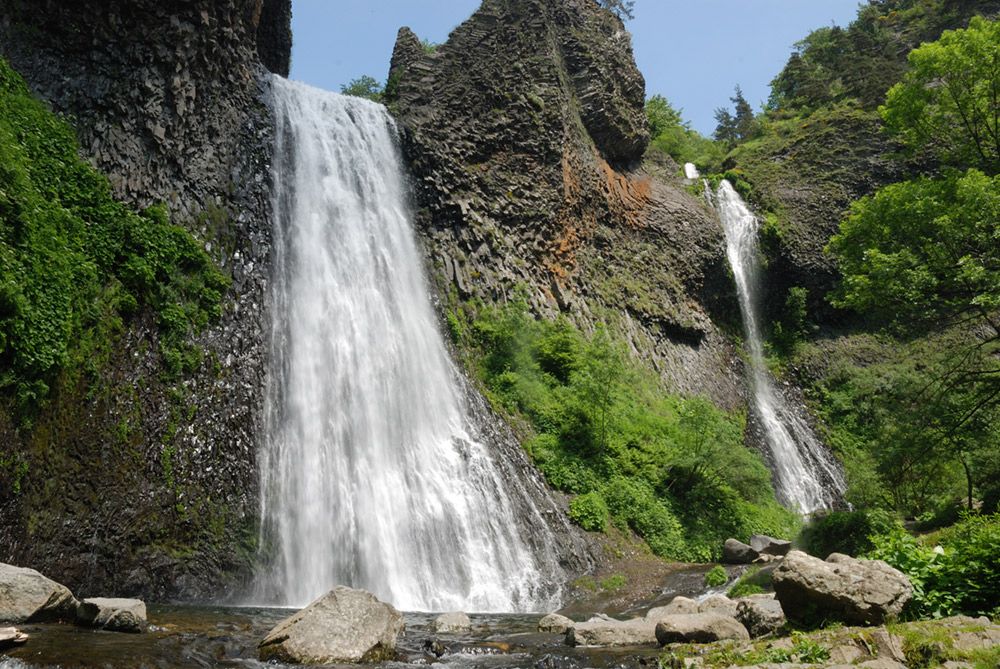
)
(372, 473)
(805, 475)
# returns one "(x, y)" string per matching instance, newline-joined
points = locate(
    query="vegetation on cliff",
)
(672, 469)
(75, 262)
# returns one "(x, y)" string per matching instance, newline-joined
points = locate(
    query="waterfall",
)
(372, 473)
(805, 475)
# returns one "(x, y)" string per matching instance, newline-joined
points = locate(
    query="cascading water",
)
(806, 477)
(371, 473)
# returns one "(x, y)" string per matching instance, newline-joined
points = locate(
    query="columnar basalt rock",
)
(147, 485)
(526, 135)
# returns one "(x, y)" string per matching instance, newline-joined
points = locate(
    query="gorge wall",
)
(526, 135)
(136, 483)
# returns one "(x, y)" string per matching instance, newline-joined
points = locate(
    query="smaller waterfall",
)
(805, 475)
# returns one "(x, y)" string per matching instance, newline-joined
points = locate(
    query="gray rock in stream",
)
(342, 626)
(10, 637)
(737, 552)
(554, 623)
(765, 545)
(760, 615)
(455, 621)
(699, 628)
(27, 596)
(113, 615)
(600, 632)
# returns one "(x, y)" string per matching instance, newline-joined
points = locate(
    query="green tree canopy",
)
(926, 250)
(364, 87)
(949, 101)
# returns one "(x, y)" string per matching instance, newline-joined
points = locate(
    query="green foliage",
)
(675, 137)
(848, 532)
(752, 582)
(948, 100)
(960, 575)
(716, 576)
(613, 582)
(364, 87)
(74, 262)
(623, 9)
(671, 469)
(589, 511)
(791, 328)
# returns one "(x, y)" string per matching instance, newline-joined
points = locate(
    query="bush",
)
(589, 512)
(960, 575)
(848, 532)
(752, 582)
(716, 576)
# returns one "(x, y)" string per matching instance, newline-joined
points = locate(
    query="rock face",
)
(699, 628)
(737, 552)
(167, 100)
(525, 133)
(554, 623)
(452, 622)
(27, 596)
(865, 592)
(113, 615)
(343, 625)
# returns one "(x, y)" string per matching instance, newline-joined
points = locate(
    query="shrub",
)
(716, 576)
(752, 582)
(961, 575)
(846, 532)
(589, 511)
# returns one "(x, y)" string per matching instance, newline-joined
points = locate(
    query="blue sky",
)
(692, 51)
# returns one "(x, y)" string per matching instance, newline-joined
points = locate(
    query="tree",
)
(661, 116)
(949, 101)
(732, 128)
(623, 9)
(364, 87)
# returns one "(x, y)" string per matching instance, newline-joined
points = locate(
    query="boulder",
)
(27, 596)
(594, 632)
(10, 637)
(760, 616)
(554, 624)
(342, 626)
(678, 604)
(113, 615)
(737, 552)
(456, 621)
(862, 592)
(699, 628)
(717, 604)
(765, 545)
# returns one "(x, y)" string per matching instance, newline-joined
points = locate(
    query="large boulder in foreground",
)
(113, 615)
(27, 596)
(860, 592)
(699, 628)
(344, 625)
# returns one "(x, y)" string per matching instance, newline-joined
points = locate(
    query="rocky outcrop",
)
(861, 592)
(113, 615)
(27, 596)
(699, 628)
(344, 625)
(525, 133)
(137, 483)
